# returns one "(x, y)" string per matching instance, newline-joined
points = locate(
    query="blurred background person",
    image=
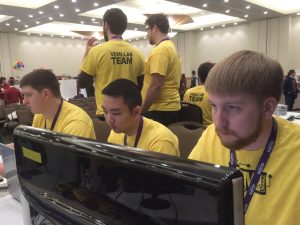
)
(290, 89)
(12, 94)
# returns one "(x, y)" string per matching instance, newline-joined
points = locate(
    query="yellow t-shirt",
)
(277, 195)
(110, 61)
(198, 96)
(72, 120)
(164, 60)
(155, 137)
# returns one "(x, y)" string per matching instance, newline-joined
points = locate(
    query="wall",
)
(277, 37)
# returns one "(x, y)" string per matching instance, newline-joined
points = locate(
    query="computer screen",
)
(72, 180)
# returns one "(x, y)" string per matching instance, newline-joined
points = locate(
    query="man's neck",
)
(160, 37)
(134, 127)
(52, 107)
(112, 36)
(262, 140)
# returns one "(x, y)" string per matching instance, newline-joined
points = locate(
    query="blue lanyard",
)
(165, 39)
(260, 166)
(55, 117)
(138, 134)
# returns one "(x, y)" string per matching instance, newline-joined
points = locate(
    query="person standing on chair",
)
(244, 90)
(122, 102)
(111, 60)
(42, 95)
(161, 100)
(198, 95)
(290, 89)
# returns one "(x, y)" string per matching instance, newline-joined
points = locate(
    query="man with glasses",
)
(161, 100)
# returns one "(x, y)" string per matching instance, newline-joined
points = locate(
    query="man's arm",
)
(140, 82)
(84, 80)
(153, 91)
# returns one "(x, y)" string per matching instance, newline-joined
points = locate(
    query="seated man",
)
(122, 110)
(42, 95)
(244, 90)
(198, 96)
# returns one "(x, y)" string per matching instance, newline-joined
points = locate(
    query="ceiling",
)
(78, 18)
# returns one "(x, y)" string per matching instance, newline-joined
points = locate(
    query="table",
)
(11, 211)
(297, 121)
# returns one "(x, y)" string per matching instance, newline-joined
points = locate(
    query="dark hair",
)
(203, 70)
(11, 82)
(160, 20)
(126, 89)
(291, 72)
(2, 79)
(246, 72)
(116, 19)
(41, 79)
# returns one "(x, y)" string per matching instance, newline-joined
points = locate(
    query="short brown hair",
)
(246, 72)
(41, 79)
(160, 20)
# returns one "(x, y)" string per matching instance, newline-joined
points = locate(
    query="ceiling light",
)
(18, 20)
(37, 22)
(246, 15)
(137, 39)
(41, 12)
(135, 28)
(201, 28)
(61, 15)
(28, 33)
(129, 40)
(51, 35)
(298, 13)
(74, 1)
(41, 35)
(16, 29)
(226, 0)
(30, 15)
(93, 19)
(50, 18)
(227, 11)
(223, 25)
(81, 22)
(96, 4)
(62, 36)
(26, 26)
(145, 37)
(77, 10)
(56, 7)
(235, 23)
(265, 12)
(204, 5)
(248, 7)
(7, 24)
(72, 37)
(212, 27)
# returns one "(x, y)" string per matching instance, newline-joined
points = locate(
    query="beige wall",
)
(276, 37)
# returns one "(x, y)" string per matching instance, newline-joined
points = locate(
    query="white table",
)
(294, 114)
(10, 211)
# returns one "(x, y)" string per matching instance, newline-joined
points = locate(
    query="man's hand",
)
(91, 42)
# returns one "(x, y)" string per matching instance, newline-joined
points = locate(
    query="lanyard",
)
(260, 166)
(138, 134)
(165, 39)
(55, 117)
(117, 37)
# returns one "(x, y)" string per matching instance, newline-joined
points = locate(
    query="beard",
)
(241, 142)
(105, 35)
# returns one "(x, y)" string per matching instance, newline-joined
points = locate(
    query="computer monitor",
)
(71, 180)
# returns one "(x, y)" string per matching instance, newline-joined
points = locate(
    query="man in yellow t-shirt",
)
(42, 95)
(198, 95)
(161, 100)
(122, 110)
(111, 60)
(244, 90)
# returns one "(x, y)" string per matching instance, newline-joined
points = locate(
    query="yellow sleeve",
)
(159, 63)
(80, 128)
(186, 96)
(89, 64)
(166, 147)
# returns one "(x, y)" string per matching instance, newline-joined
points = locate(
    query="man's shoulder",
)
(73, 111)
(157, 130)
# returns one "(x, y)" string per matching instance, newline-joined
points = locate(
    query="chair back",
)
(102, 130)
(25, 116)
(188, 134)
(190, 112)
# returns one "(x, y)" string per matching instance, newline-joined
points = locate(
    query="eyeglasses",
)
(148, 28)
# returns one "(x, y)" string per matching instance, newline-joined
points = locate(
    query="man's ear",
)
(137, 111)
(46, 93)
(269, 104)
